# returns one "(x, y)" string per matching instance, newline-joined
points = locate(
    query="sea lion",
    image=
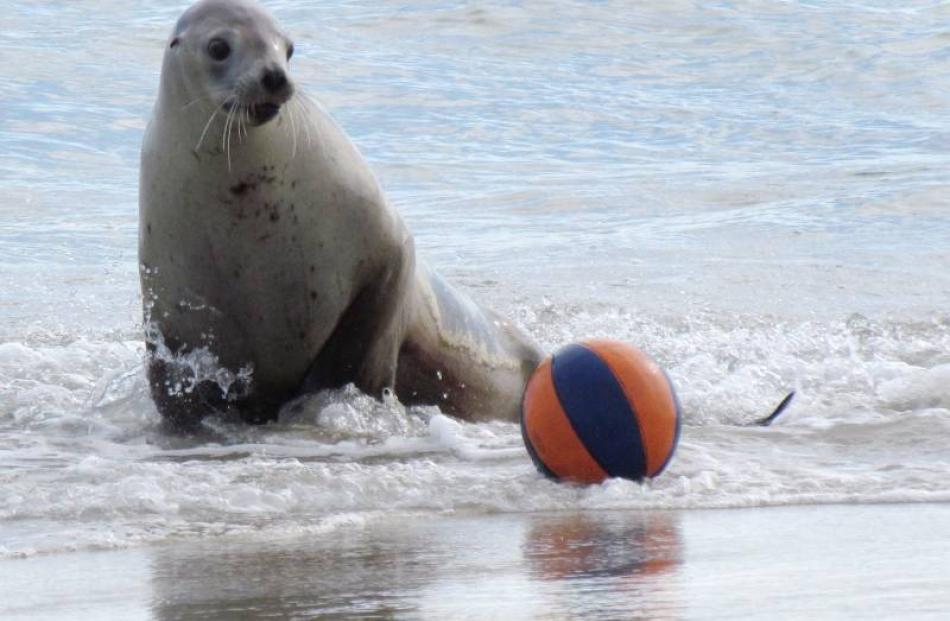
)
(271, 263)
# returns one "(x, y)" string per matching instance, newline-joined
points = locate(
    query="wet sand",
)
(843, 562)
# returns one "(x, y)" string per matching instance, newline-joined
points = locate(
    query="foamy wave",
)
(85, 465)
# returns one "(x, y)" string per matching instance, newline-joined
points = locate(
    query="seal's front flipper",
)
(765, 422)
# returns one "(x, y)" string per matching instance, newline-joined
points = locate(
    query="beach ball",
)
(600, 409)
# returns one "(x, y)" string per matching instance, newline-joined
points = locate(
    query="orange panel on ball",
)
(551, 434)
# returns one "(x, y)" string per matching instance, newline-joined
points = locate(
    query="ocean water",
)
(754, 192)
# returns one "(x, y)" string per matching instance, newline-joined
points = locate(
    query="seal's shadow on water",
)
(608, 565)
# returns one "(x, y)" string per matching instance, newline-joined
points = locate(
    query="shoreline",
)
(881, 560)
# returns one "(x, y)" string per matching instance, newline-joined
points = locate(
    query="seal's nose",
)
(274, 80)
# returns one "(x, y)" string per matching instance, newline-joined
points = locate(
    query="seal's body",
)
(266, 242)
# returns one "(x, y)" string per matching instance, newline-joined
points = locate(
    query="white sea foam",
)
(85, 464)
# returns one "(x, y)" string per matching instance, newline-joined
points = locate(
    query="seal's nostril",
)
(274, 79)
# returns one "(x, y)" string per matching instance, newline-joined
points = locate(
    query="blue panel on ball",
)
(599, 411)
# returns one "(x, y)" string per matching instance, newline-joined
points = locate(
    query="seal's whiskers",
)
(224, 130)
(300, 110)
(193, 102)
(226, 136)
(205, 130)
(293, 132)
(243, 112)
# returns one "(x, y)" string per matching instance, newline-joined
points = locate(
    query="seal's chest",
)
(262, 205)
(272, 245)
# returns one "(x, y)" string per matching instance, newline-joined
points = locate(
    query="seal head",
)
(233, 55)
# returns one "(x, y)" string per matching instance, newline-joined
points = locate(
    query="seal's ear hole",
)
(175, 42)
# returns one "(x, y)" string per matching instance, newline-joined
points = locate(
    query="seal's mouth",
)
(257, 113)
(263, 112)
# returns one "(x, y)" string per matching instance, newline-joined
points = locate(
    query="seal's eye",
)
(218, 49)
(290, 51)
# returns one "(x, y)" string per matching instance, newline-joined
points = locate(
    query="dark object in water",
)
(765, 422)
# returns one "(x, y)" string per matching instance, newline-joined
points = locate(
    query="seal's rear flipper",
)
(765, 422)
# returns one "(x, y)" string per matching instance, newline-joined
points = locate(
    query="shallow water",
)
(847, 562)
(753, 192)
